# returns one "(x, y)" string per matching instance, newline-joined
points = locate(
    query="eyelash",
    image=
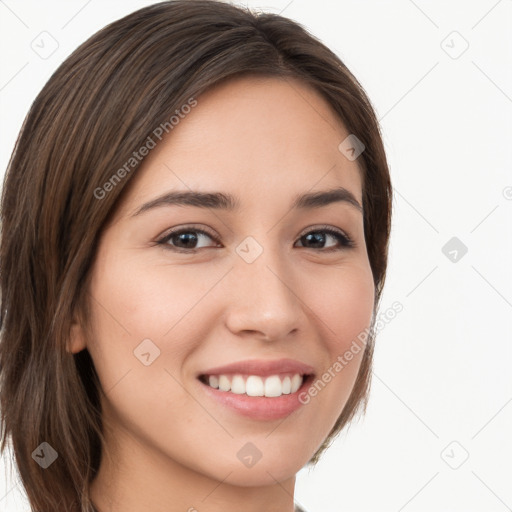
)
(345, 241)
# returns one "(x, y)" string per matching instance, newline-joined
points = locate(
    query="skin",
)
(171, 447)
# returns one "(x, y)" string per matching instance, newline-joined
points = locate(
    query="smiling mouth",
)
(256, 385)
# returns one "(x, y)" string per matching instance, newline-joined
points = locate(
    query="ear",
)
(76, 342)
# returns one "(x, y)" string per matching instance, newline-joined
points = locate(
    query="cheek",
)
(344, 304)
(136, 350)
(142, 306)
(344, 308)
(138, 298)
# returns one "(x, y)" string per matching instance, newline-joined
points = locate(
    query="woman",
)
(195, 223)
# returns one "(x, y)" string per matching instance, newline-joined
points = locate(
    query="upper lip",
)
(261, 367)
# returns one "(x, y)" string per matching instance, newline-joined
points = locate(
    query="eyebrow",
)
(224, 201)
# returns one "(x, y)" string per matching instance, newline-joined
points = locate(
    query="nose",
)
(263, 300)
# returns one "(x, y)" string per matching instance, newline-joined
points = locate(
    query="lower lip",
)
(259, 407)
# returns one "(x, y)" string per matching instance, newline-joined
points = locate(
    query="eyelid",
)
(323, 227)
(187, 227)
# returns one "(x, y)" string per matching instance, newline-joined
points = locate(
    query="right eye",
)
(186, 237)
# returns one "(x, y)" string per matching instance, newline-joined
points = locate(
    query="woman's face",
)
(262, 282)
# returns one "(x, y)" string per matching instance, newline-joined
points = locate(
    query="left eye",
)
(319, 236)
(185, 239)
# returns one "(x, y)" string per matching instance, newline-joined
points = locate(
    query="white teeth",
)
(273, 386)
(254, 385)
(296, 382)
(287, 385)
(238, 385)
(224, 384)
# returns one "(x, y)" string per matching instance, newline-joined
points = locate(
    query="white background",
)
(443, 365)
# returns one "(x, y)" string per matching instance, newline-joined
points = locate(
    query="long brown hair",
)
(99, 107)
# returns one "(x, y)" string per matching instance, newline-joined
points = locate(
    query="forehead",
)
(267, 136)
